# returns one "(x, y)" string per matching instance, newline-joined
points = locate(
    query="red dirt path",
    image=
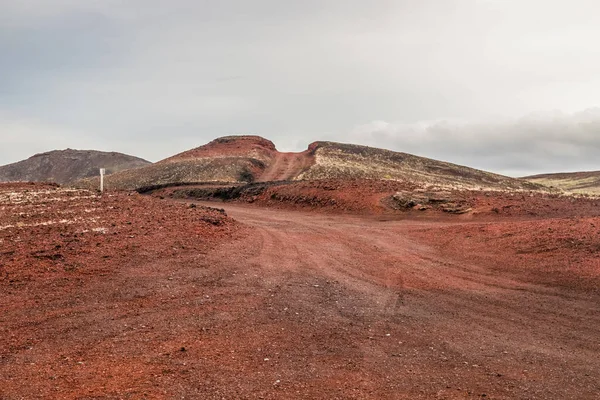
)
(305, 305)
(285, 166)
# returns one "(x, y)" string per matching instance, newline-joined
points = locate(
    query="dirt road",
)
(340, 306)
(286, 166)
(308, 305)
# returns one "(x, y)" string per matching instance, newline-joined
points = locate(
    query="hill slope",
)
(68, 166)
(576, 182)
(337, 161)
(242, 159)
(227, 159)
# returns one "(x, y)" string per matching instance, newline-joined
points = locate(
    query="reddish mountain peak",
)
(246, 140)
(230, 146)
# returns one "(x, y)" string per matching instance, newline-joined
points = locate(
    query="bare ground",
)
(307, 305)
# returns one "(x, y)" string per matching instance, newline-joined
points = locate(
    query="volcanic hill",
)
(244, 159)
(576, 182)
(68, 166)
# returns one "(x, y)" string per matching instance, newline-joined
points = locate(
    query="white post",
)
(102, 171)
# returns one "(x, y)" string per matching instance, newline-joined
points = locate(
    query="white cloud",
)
(536, 143)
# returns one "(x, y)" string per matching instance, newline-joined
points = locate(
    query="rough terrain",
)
(389, 197)
(68, 166)
(129, 296)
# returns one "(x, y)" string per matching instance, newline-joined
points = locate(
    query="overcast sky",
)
(509, 86)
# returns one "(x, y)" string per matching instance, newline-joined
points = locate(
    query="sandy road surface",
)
(285, 166)
(352, 307)
(306, 305)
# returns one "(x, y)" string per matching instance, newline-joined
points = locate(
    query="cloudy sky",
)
(510, 86)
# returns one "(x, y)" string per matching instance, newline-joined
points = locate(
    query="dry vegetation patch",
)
(345, 161)
(577, 182)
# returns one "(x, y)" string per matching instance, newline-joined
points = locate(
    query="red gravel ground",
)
(554, 251)
(72, 270)
(368, 197)
(125, 296)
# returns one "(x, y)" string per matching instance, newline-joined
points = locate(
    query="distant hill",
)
(68, 166)
(241, 159)
(575, 182)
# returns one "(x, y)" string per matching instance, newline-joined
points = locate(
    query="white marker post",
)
(102, 172)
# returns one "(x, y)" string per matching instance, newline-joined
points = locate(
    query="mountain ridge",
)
(249, 158)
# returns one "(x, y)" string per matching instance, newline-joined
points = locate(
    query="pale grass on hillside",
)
(572, 185)
(336, 163)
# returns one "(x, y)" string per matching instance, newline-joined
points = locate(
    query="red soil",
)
(232, 146)
(555, 251)
(70, 284)
(57, 233)
(300, 304)
(359, 196)
(373, 197)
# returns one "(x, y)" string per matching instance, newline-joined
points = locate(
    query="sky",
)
(509, 86)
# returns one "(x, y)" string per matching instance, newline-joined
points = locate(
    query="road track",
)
(391, 317)
(303, 305)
